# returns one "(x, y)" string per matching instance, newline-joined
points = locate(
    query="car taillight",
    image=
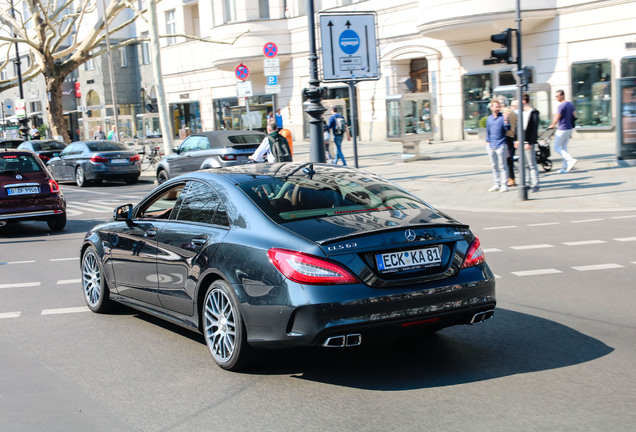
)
(99, 159)
(134, 158)
(55, 188)
(229, 157)
(44, 158)
(309, 269)
(474, 255)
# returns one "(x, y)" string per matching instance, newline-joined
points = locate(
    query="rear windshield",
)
(51, 145)
(246, 139)
(295, 198)
(18, 164)
(10, 144)
(105, 146)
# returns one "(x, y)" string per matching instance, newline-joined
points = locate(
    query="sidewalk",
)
(458, 175)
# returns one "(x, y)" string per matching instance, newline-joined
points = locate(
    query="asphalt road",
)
(557, 356)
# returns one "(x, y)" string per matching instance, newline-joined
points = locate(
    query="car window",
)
(23, 164)
(105, 146)
(161, 205)
(297, 198)
(200, 204)
(76, 148)
(246, 139)
(189, 144)
(48, 145)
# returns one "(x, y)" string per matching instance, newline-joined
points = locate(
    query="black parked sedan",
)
(283, 255)
(93, 161)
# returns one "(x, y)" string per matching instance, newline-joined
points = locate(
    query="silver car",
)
(209, 150)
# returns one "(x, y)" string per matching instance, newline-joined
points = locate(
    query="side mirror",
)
(56, 155)
(175, 150)
(124, 213)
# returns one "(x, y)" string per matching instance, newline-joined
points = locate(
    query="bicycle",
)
(151, 157)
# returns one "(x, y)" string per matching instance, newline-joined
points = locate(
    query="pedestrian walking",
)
(99, 133)
(530, 119)
(327, 140)
(565, 119)
(496, 127)
(338, 126)
(511, 137)
(112, 135)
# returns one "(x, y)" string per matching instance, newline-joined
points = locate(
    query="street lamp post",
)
(313, 94)
(113, 92)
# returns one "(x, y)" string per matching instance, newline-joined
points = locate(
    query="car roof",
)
(226, 133)
(17, 152)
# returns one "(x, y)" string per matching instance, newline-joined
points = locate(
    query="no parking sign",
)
(242, 72)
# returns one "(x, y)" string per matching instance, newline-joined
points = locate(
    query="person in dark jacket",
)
(530, 133)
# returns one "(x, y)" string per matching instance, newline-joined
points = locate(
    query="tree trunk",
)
(55, 111)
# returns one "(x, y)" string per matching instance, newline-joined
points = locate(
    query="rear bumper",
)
(102, 172)
(31, 215)
(378, 314)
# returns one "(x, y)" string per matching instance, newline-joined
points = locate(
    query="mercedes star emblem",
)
(409, 234)
(18, 176)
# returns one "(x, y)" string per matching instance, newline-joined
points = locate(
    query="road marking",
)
(491, 250)
(10, 315)
(89, 207)
(71, 212)
(598, 267)
(584, 242)
(21, 262)
(537, 246)
(68, 281)
(544, 224)
(62, 311)
(625, 239)
(21, 285)
(623, 217)
(586, 220)
(64, 259)
(500, 227)
(536, 272)
(92, 192)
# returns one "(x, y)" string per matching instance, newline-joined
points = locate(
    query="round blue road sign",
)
(349, 41)
(270, 50)
(242, 72)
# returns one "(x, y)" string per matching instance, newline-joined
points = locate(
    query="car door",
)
(186, 243)
(134, 247)
(181, 163)
(62, 168)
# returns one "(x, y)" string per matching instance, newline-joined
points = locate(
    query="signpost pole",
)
(353, 113)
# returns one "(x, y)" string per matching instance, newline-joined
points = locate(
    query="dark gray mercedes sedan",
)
(288, 255)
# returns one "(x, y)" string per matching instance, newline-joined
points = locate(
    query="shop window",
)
(592, 93)
(628, 67)
(507, 77)
(477, 90)
(419, 75)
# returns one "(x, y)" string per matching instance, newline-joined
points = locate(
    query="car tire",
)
(162, 176)
(80, 178)
(96, 292)
(57, 222)
(132, 180)
(223, 328)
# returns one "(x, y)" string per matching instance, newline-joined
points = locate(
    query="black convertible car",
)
(281, 255)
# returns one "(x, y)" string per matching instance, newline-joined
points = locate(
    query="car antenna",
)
(309, 171)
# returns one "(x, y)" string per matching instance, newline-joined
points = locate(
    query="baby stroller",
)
(543, 149)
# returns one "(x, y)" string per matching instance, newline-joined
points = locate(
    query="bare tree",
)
(57, 48)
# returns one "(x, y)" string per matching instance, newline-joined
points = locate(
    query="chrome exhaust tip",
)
(482, 316)
(341, 341)
(334, 342)
(353, 339)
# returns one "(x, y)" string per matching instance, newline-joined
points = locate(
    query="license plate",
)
(119, 161)
(408, 260)
(23, 190)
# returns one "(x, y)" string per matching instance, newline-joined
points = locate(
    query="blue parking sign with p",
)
(272, 80)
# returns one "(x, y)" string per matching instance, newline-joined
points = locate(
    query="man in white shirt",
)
(264, 149)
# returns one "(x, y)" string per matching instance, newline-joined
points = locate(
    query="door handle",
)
(199, 241)
(151, 232)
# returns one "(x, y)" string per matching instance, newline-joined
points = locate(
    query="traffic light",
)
(503, 54)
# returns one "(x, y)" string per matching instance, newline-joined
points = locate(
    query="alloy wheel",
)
(91, 279)
(219, 325)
